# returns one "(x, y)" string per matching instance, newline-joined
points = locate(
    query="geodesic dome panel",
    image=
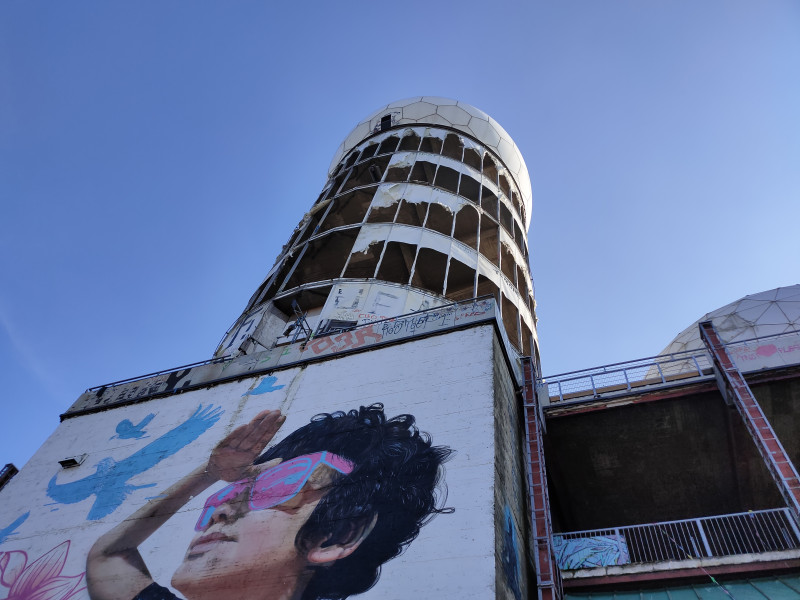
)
(757, 315)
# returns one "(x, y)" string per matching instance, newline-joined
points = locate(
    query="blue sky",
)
(155, 156)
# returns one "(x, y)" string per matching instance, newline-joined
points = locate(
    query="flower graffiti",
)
(40, 580)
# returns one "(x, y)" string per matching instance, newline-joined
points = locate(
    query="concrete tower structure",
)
(427, 202)
(358, 432)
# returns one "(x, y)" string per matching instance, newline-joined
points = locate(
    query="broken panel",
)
(431, 144)
(507, 264)
(506, 220)
(489, 240)
(472, 158)
(470, 189)
(489, 202)
(460, 281)
(411, 213)
(410, 141)
(398, 171)
(369, 151)
(382, 214)
(504, 185)
(363, 264)
(366, 173)
(489, 168)
(429, 270)
(517, 206)
(439, 219)
(324, 258)
(396, 262)
(447, 179)
(453, 146)
(389, 145)
(519, 238)
(466, 229)
(348, 209)
(423, 172)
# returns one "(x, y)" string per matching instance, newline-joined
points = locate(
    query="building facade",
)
(358, 431)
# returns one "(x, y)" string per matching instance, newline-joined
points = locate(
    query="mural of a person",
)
(315, 516)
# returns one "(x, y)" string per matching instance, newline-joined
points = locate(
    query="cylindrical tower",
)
(427, 202)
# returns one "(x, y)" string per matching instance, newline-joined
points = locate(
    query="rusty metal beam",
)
(735, 390)
(548, 577)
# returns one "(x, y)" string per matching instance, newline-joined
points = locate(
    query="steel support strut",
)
(548, 577)
(734, 389)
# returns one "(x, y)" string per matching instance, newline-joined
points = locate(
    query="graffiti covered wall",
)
(238, 490)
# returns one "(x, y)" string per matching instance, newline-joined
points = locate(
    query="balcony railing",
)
(752, 532)
(626, 376)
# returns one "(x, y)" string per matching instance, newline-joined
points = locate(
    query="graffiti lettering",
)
(346, 340)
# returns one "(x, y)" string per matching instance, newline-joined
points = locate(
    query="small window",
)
(386, 122)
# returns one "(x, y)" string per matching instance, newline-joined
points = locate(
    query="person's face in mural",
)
(245, 541)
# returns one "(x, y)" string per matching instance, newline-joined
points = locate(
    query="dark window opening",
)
(517, 205)
(324, 258)
(410, 141)
(333, 326)
(411, 213)
(431, 144)
(348, 209)
(511, 322)
(489, 202)
(526, 339)
(447, 179)
(423, 172)
(352, 160)
(397, 260)
(519, 238)
(486, 286)
(429, 270)
(389, 144)
(508, 265)
(470, 189)
(363, 264)
(453, 147)
(522, 284)
(489, 234)
(460, 281)
(439, 219)
(504, 186)
(398, 173)
(472, 158)
(489, 168)
(386, 122)
(369, 151)
(366, 173)
(506, 220)
(382, 214)
(466, 229)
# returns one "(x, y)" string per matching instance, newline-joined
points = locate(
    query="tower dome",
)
(427, 202)
(757, 315)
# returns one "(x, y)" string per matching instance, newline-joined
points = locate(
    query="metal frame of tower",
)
(548, 576)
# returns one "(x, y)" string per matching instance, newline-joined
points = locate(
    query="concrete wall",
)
(136, 452)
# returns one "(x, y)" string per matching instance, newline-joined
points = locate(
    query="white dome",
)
(431, 110)
(757, 315)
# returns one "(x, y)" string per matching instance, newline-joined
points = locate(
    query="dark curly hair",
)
(396, 477)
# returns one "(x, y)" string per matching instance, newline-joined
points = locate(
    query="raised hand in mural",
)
(115, 570)
(233, 457)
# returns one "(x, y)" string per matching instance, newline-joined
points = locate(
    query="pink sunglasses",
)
(274, 486)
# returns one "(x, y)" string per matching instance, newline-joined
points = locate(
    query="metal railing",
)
(626, 376)
(751, 532)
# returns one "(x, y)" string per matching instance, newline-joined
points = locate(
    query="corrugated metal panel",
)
(769, 588)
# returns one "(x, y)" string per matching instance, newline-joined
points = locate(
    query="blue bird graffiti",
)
(109, 483)
(267, 385)
(5, 532)
(126, 430)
